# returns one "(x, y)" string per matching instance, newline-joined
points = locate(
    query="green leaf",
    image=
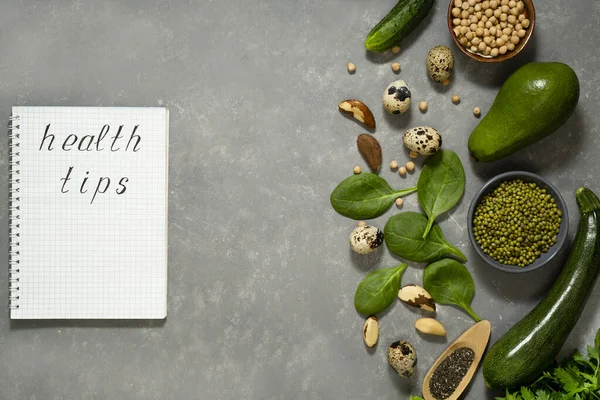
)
(542, 395)
(449, 282)
(365, 196)
(527, 394)
(403, 235)
(593, 353)
(441, 185)
(597, 340)
(378, 290)
(415, 398)
(570, 380)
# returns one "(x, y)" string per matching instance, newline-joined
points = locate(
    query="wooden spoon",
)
(476, 338)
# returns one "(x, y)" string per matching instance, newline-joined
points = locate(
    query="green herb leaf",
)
(449, 282)
(441, 184)
(403, 235)
(597, 341)
(378, 290)
(527, 394)
(365, 196)
(415, 398)
(542, 395)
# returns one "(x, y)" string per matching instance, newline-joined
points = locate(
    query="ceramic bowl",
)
(529, 11)
(544, 258)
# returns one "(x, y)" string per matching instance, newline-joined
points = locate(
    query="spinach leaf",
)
(441, 185)
(378, 290)
(597, 340)
(365, 196)
(403, 235)
(449, 282)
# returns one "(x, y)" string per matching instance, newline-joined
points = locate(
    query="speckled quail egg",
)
(403, 357)
(365, 239)
(396, 99)
(424, 140)
(440, 63)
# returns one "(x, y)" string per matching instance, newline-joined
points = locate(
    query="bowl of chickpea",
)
(491, 30)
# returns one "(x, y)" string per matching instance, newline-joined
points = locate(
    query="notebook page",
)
(93, 213)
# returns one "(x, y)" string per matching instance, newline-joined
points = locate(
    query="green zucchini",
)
(532, 344)
(397, 24)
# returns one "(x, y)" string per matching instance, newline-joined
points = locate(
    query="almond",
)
(359, 111)
(416, 296)
(371, 331)
(370, 149)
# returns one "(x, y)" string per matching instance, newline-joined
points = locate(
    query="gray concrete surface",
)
(261, 278)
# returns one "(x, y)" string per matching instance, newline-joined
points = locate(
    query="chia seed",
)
(450, 372)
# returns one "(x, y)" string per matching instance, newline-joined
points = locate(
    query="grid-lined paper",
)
(102, 259)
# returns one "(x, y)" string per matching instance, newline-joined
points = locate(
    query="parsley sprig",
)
(575, 378)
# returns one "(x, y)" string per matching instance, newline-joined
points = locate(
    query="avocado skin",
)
(533, 102)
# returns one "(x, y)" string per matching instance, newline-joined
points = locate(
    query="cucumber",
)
(530, 346)
(397, 24)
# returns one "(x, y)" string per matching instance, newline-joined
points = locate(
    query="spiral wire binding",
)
(14, 210)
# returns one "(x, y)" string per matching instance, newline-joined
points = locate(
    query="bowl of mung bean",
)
(491, 30)
(518, 222)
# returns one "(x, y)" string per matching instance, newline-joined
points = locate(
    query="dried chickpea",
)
(477, 8)
(497, 13)
(521, 18)
(465, 5)
(402, 171)
(413, 154)
(521, 33)
(396, 49)
(351, 68)
(396, 67)
(470, 35)
(456, 12)
(494, 52)
(503, 24)
(484, 18)
(473, 19)
(489, 24)
(503, 17)
(487, 50)
(499, 42)
(482, 46)
(393, 164)
(472, 2)
(357, 169)
(410, 166)
(520, 5)
(489, 12)
(503, 50)
(518, 27)
(514, 12)
(456, 21)
(479, 31)
(494, 4)
(476, 41)
(471, 10)
(457, 3)
(464, 14)
(455, 99)
(423, 106)
(464, 23)
(485, 5)
(463, 30)
(477, 111)
(399, 202)
(504, 2)
(463, 41)
(473, 48)
(512, 19)
(510, 46)
(473, 27)
(507, 31)
(362, 223)
(514, 39)
(505, 9)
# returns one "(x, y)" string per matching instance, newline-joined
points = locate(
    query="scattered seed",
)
(351, 68)
(362, 223)
(455, 99)
(357, 170)
(446, 82)
(423, 106)
(399, 202)
(402, 171)
(394, 164)
(477, 111)
(396, 67)
(410, 166)
(396, 49)
(413, 154)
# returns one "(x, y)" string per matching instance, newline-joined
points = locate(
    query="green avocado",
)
(534, 101)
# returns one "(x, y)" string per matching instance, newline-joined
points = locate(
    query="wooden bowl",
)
(529, 12)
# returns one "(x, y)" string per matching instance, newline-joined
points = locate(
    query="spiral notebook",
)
(88, 212)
